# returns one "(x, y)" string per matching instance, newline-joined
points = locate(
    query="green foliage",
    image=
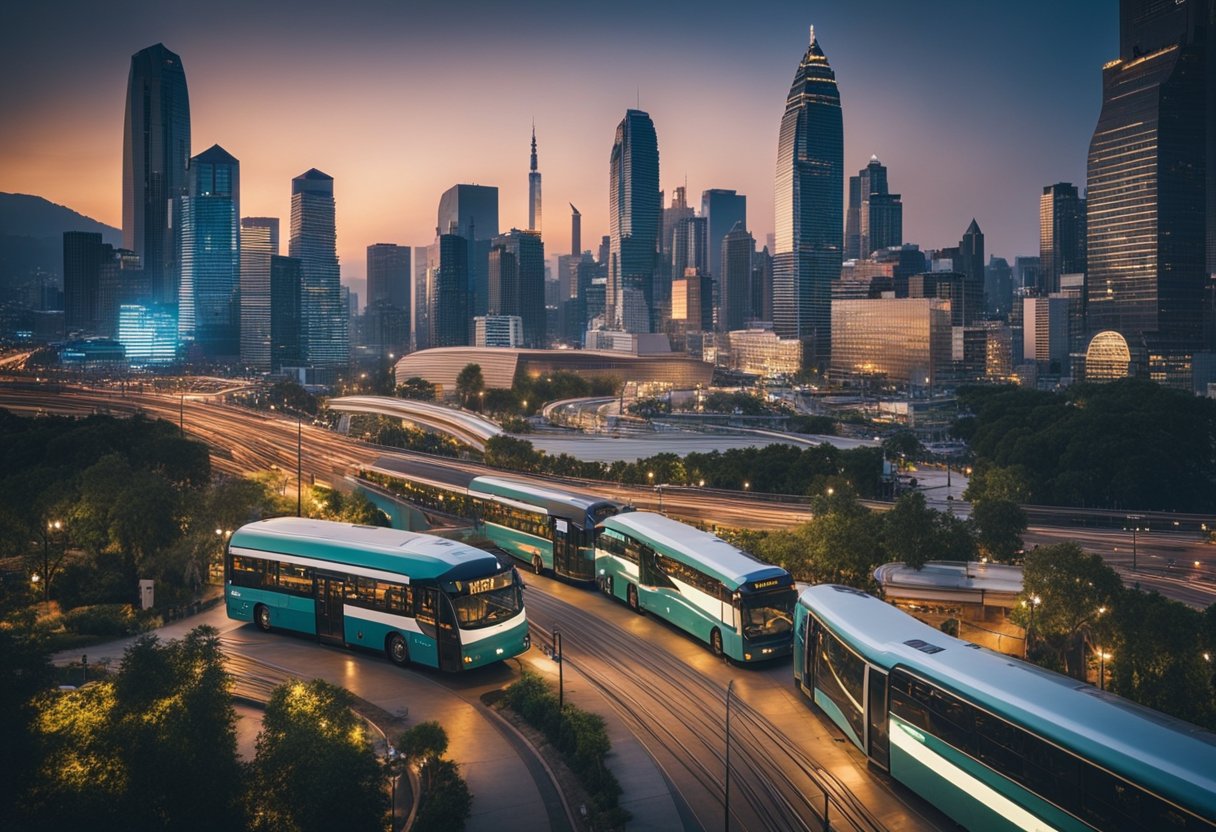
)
(649, 408)
(816, 425)
(289, 395)
(1125, 444)
(580, 736)
(903, 444)
(134, 751)
(999, 526)
(416, 388)
(27, 671)
(448, 802)
(425, 741)
(351, 507)
(538, 391)
(513, 454)
(500, 400)
(102, 620)
(395, 433)
(744, 404)
(315, 768)
(469, 382)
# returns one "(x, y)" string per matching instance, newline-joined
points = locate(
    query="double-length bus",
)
(740, 607)
(996, 743)
(416, 597)
(547, 528)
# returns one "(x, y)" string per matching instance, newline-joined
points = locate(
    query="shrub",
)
(102, 620)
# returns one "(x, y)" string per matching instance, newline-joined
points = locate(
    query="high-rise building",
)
(419, 327)
(876, 216)
(904, 340)
(156, 149)
(472, 212)
(259, 243)
(810, 213)
(534, 211)
(970, 259)
(388, 275)
(1045, 333)
(722, 210)
(83, 255)
(498, 330)
(504, 282)
(526, 297)
(1025, 274)
(209, 301)
(286, 302)
(449, 293)
(690, 246)
(1150, 174)
(735, 285)
(965, 293)
(325, 335)
(1061, 235)
(998, 287)
(148, 333)
(634, 219)
(576, 232)
(120, 281)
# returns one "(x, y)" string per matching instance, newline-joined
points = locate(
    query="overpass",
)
(462, 425)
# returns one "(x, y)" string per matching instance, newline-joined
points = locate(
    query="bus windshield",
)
(487, 601)
(769, 614)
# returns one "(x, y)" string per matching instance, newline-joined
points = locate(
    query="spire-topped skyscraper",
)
(809, 206)
(534, 189)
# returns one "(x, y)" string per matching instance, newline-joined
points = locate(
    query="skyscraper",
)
(876, 216)
(810, 213)
(324, 336)
(83, 256)
(735, 285)
(970, 261)
(1061, 235)
(722, 209)
(286, 284)
(1149, 175)
(634, 218)
(449, 317)
(576, 232)
(525, 253)
(534, 190)
(156, 148)
(209, 294)
(690, 247)
(472, 212)
(388, 275)
(259, 243)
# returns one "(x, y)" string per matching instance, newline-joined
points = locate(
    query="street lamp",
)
(1103, 655)
(1134, 520)
(831, 491)
(746, 485)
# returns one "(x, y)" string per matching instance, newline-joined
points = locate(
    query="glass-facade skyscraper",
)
(1148, 178)
(1061, 235)
(472, 212)
(259, 243)
(156, 149)
(809, 206)
(324, 336)
(876, 216)
(634, 216)
(450, 321)
(525, 294)
(209, 297)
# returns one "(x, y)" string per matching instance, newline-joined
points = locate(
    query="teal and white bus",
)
(416, 597)
(994, 742)
(740, 607)
(547, 528)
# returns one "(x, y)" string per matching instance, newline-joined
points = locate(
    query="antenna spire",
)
(533, 144)
(812, 34)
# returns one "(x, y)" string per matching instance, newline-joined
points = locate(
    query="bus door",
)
(810, 648)
(877, 740)
(567, 560)
(331, 600)
(448, 635)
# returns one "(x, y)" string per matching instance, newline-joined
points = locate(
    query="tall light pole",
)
(729, 689)
(299, 463)
(1134, 521)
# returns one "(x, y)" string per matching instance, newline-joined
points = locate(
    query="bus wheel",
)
(633, 599)
(715, 642)
(398, 651)
(261, 615)
(537, 565)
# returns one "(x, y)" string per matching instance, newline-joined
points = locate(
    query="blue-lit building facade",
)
(809, 207)
(209, 299)
(148, 333)
(634, 214)
(325, 329)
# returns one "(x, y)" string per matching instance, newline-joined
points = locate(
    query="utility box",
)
(146, 599)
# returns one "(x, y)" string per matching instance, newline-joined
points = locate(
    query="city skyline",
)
(385, 191)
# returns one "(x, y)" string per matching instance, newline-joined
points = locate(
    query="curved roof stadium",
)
(441, 365)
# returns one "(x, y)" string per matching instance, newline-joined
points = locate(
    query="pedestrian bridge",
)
(462, 425)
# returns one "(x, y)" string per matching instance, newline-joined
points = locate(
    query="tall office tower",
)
(209, 313)
(735, 285)
(876, 216)
(83, 256)
(970, 260)
(810, 213)
(419, 328)
(388, 275)
(852, 221)
(325, 334)
(673, 215)
(472, 212)
(722, 210)
(259, 243)
(634, 218)
(1150, 171)
(449, 318)
(534, 189)
(1025, 274)
(1061, 235)
(155, 152)
(526, 298)
(503, 282)
(120, 281)
(576, 232)
(286, 301)
(690, 246)
(998, 287)
(762, 286)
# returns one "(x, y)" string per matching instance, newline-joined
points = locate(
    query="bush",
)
(448, 802)
(102, 620)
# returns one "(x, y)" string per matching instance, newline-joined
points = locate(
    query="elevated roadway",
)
(469, 428)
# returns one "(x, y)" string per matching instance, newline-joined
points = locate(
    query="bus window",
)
(840, 674)
(769, 614)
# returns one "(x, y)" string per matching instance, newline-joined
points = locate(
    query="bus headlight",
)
(499, 651)
(468, 659)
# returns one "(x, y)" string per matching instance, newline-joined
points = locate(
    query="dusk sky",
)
(972, 106)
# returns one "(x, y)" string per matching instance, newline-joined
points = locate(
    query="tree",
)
(902, 445)
(27, 672)
(845, 541)
(315, 769)
(449, 802)
(416, 388)
(469, 382)
(512, 454)
(909, 530)
(1066, 591)
(999, 525)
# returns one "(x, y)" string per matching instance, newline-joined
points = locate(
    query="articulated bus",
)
(994, 742)
(546, 528)
(737, 605)
(416, 597)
